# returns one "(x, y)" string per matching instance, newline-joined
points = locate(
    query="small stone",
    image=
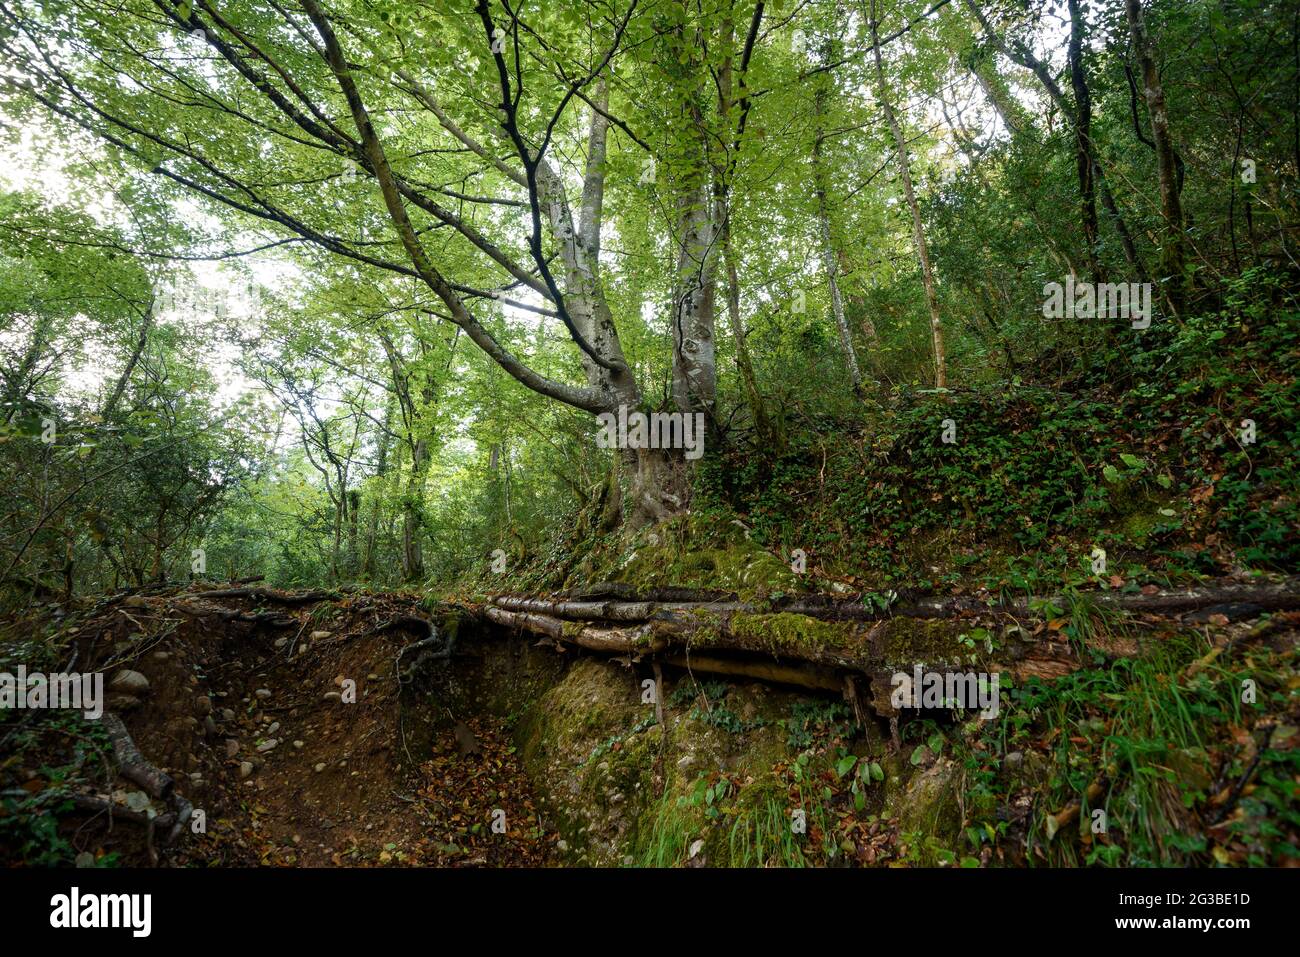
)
(697, 845)
(1014, 759)
(268, 745)
(281, 642)
(245, 768)
(333, 696)
(263, 693)
(298, 744)
(372, 677)
(232, 747)
(161, 655)
(227, 714)
(131, 682)
(320, 767)
(318, 635)
(275, 726)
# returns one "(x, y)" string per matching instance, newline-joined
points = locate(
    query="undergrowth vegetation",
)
(1153, 464)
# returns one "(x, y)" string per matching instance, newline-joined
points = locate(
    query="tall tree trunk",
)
(146, 324)
(1083, 138)
(1019, 53)
(983, 67)
(20, 382)
(727, 105)
(655, 479)
(377, 497)
(754, 398)
(859, 303)
(1173, 251)
(413, 512)
(694, 353)
(336, 547)
(353, 497)
(694, 285)
(830, 261)
(918, 229)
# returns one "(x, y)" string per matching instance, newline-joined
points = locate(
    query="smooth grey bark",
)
(830, 261)
(918, 228)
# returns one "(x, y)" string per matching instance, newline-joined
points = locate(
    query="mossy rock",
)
(929, 808)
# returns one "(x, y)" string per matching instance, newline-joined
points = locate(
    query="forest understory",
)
(346, 729)
(650, 433)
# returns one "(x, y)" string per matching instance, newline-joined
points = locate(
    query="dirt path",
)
(301, 749)
(343, 773)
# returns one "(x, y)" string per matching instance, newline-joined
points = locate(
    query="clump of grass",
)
(1162, 738)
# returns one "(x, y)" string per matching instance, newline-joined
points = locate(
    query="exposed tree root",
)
(622, 604)
(707, 636)
(132, 765)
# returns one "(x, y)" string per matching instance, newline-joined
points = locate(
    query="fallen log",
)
(280, 597)
(625, 592)
(1259, 597)
(820, 650)
(611, 640)
(586, 610)
(838, 646)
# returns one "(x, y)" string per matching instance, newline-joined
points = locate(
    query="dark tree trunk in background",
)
(1173, 253)
(1083, 138)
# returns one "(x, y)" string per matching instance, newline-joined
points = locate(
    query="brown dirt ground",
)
(376, 782)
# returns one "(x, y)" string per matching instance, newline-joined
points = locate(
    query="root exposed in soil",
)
(294, 740)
